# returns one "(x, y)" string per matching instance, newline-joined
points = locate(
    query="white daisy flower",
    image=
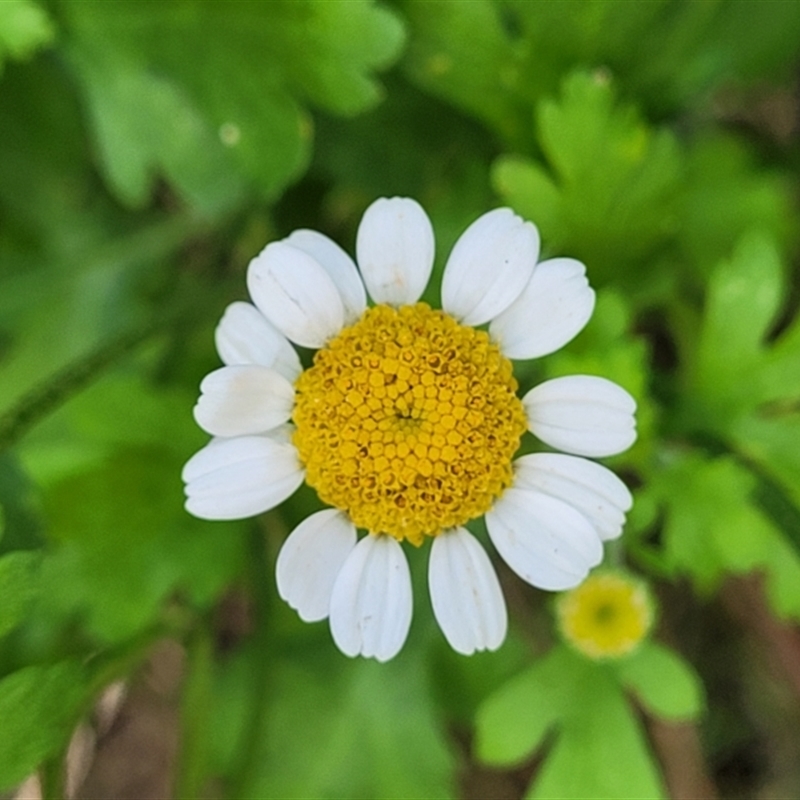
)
(408, 422)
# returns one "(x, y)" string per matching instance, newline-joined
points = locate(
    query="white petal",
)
(552, 310)
(338, 265)
(465, 593)
(394, 249)
(371, 601)
(245, 336)
(243, 400)
(489, 267)
(310, 560)
(295, 293)
(588, 487)
(582, 414)
(546, 542)
(241, 477)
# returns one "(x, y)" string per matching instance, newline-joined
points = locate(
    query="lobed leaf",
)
(726, 190)
(497, 59)
(601, 752)
(744, 295)
(608, 199)
(598, 748)
(512, 722)
(742, 387)
(213, 99)
(713, 528)
(662, 681)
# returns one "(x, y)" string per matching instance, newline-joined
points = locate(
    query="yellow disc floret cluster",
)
(607, 616)
(408, 421)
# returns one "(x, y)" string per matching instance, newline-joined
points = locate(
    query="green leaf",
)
(531, 190)
(463, 684)
(713, 528)
(461, 52)
(726, 189)
(600, 751)
(38, 706)
(120, 411)
(741, 387)
(337, 729)
(512, 722)
(667, 53)
(144, 121)
(231, 120)
(125, 543)
(610, 200)
(18, 587)
(495, 60)
(662, 681)
(24, 28)
(744, 295)
(352, 153)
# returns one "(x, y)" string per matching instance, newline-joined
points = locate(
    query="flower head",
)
(407, 424)
(607, 616)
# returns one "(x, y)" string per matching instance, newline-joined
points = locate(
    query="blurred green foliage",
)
(149, 150)
(599, 750)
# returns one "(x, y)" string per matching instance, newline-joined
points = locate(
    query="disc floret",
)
(408, 421)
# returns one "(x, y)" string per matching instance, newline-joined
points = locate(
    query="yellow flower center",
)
(408, 422)
(606, 616)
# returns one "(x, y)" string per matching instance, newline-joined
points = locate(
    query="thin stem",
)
(191, 770)
(51, 777)
(251, 745)
(58, 388)
(156, 242)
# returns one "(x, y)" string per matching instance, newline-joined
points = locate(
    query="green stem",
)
(191, 771)
(251, 745)
(58, 388)
(156, 242)
(51, 777)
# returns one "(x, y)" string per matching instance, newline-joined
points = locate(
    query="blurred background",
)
(148, 150)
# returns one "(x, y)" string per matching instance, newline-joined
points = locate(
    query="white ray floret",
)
(489, 267)
(544, 540)
(240, 477)
(311, 559)
(245, 336)
(339, 266)
(582, 414)
(394, 250)
(588, 487)
(371, 602)
(465, 593)
(243, 400)
(552, 310)
(296, 294)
